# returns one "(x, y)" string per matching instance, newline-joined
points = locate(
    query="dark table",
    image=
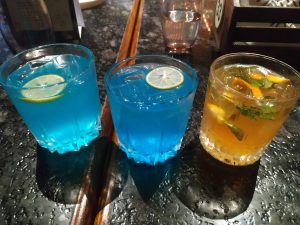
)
(37, 187)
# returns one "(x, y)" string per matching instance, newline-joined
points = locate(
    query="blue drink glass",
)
(149, 122)
(54, 89)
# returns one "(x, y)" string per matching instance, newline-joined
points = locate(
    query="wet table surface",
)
(37, 187)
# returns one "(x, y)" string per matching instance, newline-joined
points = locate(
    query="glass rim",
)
(90, 54)
(249, 54)
(193, 72)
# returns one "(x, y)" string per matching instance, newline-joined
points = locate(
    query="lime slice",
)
(165, 77)
(44, 88)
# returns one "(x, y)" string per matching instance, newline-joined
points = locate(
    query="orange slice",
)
(256, 76)
(256, 92)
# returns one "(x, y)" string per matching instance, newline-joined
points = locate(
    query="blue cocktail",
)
(150, 99)
(54, 89)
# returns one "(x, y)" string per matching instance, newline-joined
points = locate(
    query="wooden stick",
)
(134, 33)
(84, 213)
(127, 49)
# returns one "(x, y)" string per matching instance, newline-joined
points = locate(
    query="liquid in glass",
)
(245, 106)
(150, 123)
(64, 115)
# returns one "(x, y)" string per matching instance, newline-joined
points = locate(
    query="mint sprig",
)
(243, 73)
(240, 71)
(264, 83)
(266, 111)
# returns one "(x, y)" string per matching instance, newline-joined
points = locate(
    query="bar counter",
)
(99, 185)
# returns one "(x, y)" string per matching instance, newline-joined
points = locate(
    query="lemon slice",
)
(278, 79)
(44, 88)
(219, 114)
(165, 77)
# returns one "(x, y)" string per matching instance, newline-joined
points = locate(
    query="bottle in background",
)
(25, 24)
(28, 23)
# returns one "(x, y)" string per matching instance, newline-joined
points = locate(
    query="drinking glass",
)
(180, 21)
(248, 98)
(53, 87)
(150, 115)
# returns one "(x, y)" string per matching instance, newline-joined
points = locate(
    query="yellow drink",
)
(245, 106)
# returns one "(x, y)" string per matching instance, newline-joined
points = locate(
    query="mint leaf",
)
(238, 132)
(266, 111)
(267, 83)
(251, 112)
(264, 83)
(239, 71)
(243, 73)
(257, 83)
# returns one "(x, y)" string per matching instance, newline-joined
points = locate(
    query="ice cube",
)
(261, 70)
(62, 61)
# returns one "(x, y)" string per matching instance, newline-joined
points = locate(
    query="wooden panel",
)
(279, 35)
(267, 14)
(288, 54)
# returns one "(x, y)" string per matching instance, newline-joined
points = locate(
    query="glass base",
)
(178, 50)
(152, 159)
(69, 145)
(235, 160)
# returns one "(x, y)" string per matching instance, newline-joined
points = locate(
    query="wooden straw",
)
(86, 208)
(127, 49)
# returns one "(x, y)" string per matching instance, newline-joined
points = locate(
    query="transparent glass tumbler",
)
(54, 89)
(150, 121)
(248, 98)
(180, 20)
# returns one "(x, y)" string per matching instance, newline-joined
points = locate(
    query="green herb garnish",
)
(238, 132)
(243, 73)
(264, 83)
(240, 71)
(266, 111)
